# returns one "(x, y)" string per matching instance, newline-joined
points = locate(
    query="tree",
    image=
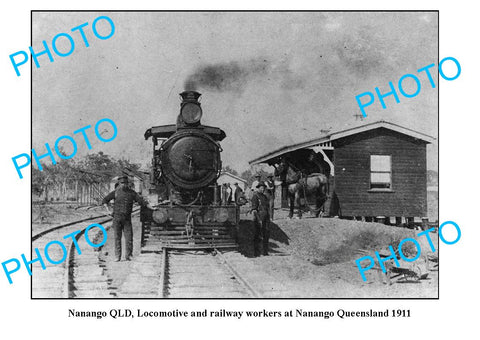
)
(228, 168)
(54, 176)
(92, 169)
(99, 164)
(40, 181)
(123, 164)
(248, 176)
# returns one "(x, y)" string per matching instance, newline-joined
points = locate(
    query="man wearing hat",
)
(255, 182)
(270, 191)
(261, 219)
(237, 193)
(123, 197)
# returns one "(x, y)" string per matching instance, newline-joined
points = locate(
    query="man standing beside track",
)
(124, 197)
(261, 219)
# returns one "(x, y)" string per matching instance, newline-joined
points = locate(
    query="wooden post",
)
(76, 190)
(285, 203)
(410, 221)
(424, 223)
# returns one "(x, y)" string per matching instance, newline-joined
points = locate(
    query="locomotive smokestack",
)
(190, 96)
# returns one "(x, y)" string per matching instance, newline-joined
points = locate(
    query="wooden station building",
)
(377, 170)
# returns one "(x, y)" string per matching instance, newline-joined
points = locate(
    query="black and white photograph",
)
(235, 157)
(206, 170)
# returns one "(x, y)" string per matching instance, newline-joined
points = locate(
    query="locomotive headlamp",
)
(191, 113)
(221, 215)
(159, 216)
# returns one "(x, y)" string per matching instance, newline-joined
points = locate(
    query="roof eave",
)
(341, 134)
(382, 124)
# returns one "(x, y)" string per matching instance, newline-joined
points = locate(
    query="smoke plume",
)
(231, 76)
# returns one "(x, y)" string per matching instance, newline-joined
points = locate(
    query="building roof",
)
(240, 179)
(326, 140)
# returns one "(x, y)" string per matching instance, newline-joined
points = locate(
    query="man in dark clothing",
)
(124, 197)
(270, 191)
(261, 219)
(237, 193)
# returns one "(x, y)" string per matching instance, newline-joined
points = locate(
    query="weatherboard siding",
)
(409, 174)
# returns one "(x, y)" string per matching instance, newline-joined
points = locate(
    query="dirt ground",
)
(45, 216)
(117, 272)
(316, 258)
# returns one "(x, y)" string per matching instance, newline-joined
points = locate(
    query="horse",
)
(300, 185)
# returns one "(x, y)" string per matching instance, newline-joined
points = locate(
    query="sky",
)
(267, 79)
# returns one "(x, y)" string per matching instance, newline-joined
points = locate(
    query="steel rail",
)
(45, 232)
(68, 278)
(163, 290)
(251, 291)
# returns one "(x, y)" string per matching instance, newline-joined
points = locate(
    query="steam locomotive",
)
(185, 166)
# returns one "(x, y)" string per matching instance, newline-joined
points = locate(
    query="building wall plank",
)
(409, 174)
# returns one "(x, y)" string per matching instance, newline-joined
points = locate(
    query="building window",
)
(380, 172)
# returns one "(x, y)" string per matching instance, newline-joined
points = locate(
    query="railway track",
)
(169, 267)
(162, 273)
(201, 274)
(55, 280)
(85, 272)
(180, 273)
(79, 275)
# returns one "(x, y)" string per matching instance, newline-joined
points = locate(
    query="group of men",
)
(231, 195)
(262, 207)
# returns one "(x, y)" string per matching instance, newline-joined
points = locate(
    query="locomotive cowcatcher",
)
(185, 166)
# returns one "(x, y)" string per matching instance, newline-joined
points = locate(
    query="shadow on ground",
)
(246, 233)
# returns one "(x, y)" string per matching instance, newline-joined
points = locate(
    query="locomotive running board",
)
(202, 246)
(149, 248)
(202, 237)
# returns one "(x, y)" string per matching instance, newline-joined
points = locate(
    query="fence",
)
(74, 191)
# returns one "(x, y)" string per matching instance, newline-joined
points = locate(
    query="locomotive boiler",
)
(186, 163)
